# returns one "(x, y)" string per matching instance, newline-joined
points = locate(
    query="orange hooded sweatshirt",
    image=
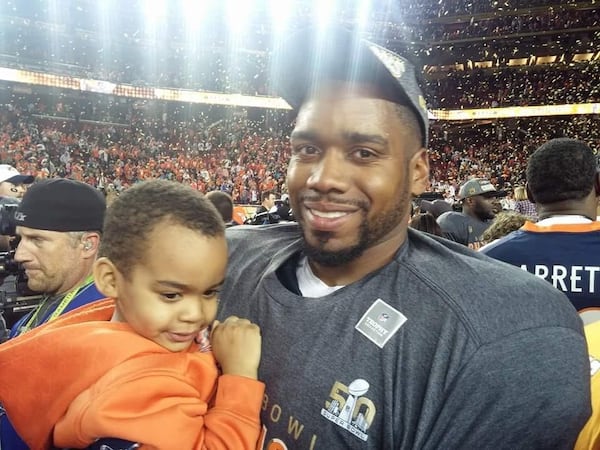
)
(82, 377)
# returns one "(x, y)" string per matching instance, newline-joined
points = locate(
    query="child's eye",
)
(212, 293)
(170, 296)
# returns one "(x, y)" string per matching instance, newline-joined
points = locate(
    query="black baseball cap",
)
(310, 56)
(60, 204)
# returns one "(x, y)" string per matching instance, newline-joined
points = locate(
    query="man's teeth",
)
(328, 214)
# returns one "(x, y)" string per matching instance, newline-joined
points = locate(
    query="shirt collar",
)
(564, 220)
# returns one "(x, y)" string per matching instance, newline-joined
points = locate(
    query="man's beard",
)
(484, 214)
(369, 234)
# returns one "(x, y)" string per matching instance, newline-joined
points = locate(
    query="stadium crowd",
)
(244, 158)
(510, 87)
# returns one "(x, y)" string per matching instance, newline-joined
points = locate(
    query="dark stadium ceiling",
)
(476, 34)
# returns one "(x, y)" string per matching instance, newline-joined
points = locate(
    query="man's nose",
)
(330, 173)
(21, 254)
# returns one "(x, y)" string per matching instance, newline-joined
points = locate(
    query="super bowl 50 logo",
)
(349, 408)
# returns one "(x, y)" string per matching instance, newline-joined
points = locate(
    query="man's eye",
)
(170, 296)
(365, 153)
(306, 150)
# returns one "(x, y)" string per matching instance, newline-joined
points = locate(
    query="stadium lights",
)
(325, 11)
(154, 10)
(193, 12)
(239, 14)
(281, 11)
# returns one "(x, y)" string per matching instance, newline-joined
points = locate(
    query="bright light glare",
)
(363, 9)
(325, 10)
(238, 14)
(154, 10)
(281, 11)
(193, 11)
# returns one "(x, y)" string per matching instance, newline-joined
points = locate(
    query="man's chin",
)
(331, 257)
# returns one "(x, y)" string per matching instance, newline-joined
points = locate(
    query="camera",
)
(8, 225)
(16, 299)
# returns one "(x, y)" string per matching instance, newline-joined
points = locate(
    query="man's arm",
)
(529, 390)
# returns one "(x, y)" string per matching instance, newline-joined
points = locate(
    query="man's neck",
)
(80, 282)
(567, 208)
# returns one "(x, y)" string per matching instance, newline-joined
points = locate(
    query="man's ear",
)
(91, 242)
(419, 165)
(105, 277)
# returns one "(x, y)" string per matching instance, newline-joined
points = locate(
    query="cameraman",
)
(12, 183)
(12, 188)
(59, 222)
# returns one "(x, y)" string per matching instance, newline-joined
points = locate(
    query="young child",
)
(135, 366)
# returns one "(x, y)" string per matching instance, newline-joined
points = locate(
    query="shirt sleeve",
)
(529, 390)
(161, 410)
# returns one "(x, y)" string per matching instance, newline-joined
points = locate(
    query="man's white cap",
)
(12, 175)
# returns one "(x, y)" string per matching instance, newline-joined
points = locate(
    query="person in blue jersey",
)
(563, 246)
(59, 223)
(376, 335)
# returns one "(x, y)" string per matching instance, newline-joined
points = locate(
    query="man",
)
(375, 335)
(11, 190)
(12, 183)
(563, 246)
(267, 202)
(59, 223)
(263, 213)
(479, 202)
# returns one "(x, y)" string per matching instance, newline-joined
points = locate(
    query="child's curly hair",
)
(504, 223)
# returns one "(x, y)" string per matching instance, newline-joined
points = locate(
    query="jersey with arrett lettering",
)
(565, 255)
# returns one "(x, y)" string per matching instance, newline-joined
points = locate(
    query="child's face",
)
(172, 292)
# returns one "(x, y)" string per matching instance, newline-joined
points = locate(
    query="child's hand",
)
(236, 346)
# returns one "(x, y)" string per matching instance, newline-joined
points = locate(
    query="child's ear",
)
(105, 277)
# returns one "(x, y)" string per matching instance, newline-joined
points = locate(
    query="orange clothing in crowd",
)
(82, 377)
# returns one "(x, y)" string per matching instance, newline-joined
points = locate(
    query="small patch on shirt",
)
(380, 322)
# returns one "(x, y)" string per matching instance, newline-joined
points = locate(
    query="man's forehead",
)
(34, 232)
(341, 90)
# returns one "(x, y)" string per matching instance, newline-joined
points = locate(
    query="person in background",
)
(426, 222)
(138, 366)
(523, 205)
(224, 204)
(508, 202)
(436, 207)
(12, 188)
(376, 335)
(266, 212)
(479, 202)
(59, 223)
(267, 202)
(12, 183)
(563, 246)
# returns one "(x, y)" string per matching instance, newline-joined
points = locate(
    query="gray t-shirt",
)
(462, 228)
(442, 348)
